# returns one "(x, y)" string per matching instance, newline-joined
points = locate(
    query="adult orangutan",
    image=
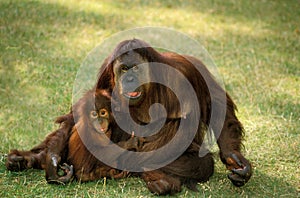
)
(132, 71)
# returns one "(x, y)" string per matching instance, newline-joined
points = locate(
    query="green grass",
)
(255, 44)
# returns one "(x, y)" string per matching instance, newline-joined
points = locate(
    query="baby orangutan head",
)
(94, 117)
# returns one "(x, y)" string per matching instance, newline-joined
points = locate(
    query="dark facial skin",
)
(93, 118)
(100, 120)
(97, 117)
(130, 71)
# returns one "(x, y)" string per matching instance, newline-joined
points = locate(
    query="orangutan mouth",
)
(133, 95)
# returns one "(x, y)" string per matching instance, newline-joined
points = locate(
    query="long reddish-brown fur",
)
(188, 168)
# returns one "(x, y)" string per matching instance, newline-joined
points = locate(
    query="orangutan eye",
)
(124, 68)
(135, 68)
(103, 113)
(94, 114)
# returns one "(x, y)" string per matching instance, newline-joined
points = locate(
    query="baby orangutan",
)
(93, 130)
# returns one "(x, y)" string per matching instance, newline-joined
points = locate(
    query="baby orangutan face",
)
(100, 120)
(100, 116)
(94, 118)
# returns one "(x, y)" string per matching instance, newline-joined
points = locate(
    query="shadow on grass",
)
(33, 29)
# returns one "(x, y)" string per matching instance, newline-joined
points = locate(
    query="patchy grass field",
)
(255, 44)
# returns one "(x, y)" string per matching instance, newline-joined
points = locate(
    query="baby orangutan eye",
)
(103, 113)
(94, 114)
